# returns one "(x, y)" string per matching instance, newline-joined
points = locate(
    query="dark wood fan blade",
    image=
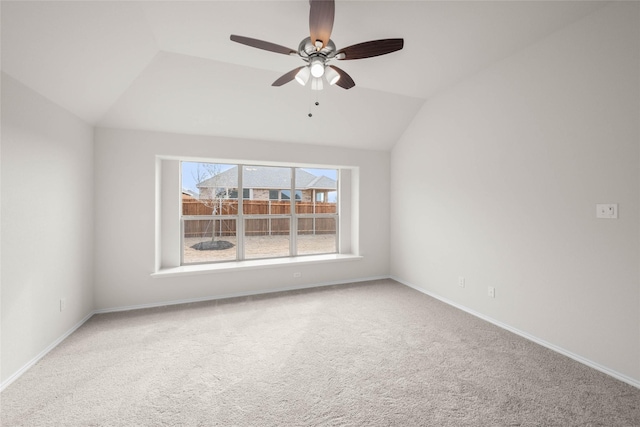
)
(287, 77)
(345, 82)
(261, 44)
(370, 49)
(321, 20)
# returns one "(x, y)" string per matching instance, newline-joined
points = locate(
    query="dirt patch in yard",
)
(258, 247)
(213, 245)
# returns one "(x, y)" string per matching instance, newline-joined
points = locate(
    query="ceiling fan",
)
(318, 50)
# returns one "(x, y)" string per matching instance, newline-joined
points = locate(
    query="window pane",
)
(316, 236)
(210, 192)
(202, 180)
(209, 240)
(329, 205)
(266, 238)
(280, 207)
(233, 193)
(209, 207)
(266, 207)
(261, 179)
(317, 190)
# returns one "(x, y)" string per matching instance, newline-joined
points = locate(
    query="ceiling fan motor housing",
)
(307, 49)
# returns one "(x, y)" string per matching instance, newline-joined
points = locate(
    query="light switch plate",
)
(607, 210)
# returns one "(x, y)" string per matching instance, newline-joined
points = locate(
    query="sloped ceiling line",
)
(170, 66)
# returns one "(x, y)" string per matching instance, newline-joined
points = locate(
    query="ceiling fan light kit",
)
(331, 75)
(317, 67)
(318, 50)
(303, 75)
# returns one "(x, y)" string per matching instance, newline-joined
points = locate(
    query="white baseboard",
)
(53, 345)
(576, 357)
(235, 295)
(523, 334)
(43, 353)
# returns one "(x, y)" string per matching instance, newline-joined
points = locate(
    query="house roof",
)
(186, 193)
(268, 177)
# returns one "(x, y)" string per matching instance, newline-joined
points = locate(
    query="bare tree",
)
(212, 197)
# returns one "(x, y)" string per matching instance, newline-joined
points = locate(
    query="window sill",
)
(190, 270)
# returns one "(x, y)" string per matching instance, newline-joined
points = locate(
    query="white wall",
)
(47, 223)
(125, 250)
(497, 180)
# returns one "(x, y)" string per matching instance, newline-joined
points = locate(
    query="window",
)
(232, 193)
(284, 194)
(265, 223)
(246, 193)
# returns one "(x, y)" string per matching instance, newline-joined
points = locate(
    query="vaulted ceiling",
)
(170, 66)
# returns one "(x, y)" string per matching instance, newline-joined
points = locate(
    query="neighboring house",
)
(189, 195)
(268, 183)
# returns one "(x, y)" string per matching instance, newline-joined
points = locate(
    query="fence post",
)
(269, 205)
(219, 222)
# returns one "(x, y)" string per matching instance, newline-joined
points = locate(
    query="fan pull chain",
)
(316, 103)
(309, 104)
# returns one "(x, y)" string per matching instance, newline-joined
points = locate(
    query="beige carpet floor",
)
(368, 354)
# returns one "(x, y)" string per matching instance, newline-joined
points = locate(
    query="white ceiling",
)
(170, 66)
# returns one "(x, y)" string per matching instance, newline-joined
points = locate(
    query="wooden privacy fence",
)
(256, 226)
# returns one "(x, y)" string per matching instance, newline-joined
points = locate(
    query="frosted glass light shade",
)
(317, 67)
(331, 75)
(302, 76)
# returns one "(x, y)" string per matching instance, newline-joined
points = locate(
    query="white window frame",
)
(241, 217)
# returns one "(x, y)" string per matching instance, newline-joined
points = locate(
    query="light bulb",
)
(302, 76)
(317, 67)
(331, 75)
